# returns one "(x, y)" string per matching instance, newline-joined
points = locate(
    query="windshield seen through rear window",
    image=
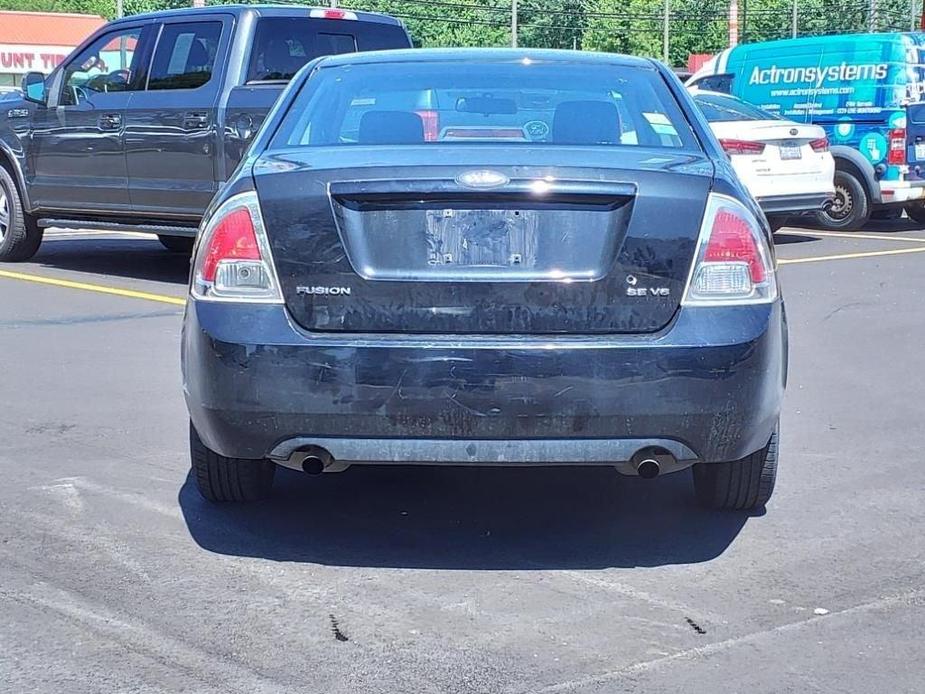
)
(523, 102)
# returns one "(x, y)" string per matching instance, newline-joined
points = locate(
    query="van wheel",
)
(20, 235)
(916, 212)
(177, 244)
(228, 479)
(851, 209)
(741, 485)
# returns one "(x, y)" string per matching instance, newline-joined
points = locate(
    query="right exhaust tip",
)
(646, 462)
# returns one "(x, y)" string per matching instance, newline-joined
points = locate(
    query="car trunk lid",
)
(571, 240)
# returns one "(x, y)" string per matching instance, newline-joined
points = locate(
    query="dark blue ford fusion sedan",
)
(485, 257)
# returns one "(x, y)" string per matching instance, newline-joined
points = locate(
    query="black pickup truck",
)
(142, 123)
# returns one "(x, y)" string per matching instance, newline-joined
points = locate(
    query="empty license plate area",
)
(456, 244)
(500, 239)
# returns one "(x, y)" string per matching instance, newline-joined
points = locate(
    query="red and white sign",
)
(18, 59)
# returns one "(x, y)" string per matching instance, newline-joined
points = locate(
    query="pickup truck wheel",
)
(740, 485)
(850, 210)
(20, 236)
(177, 244)
(228, 479)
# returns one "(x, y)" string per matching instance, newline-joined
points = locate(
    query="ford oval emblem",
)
(482, 178)
(794, 132)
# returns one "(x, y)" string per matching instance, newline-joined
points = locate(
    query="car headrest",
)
(391, 128)
(277, 58)
(586, 123)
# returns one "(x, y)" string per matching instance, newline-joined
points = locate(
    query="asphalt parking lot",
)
(115, 576)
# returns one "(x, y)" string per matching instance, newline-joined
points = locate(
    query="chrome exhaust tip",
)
(316, 461)
(646, 462)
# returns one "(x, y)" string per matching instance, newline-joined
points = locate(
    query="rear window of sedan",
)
(518, 102)
(719, 109)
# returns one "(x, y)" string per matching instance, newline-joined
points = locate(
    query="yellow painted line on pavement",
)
(848, 256)
(99, 288)
(850, 235)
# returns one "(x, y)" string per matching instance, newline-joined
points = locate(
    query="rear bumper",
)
(901, 191)
(795, 204)
(709, 388)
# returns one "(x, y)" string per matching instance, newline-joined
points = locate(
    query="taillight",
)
(733, 263)
(821, 145)
(897, 150)
(741, 146)
(431, 124)
(332, 13)
(233, 260)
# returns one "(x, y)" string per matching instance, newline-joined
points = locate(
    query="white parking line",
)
(848, 256)
(754, 638)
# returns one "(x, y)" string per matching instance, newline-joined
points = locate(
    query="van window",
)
(185, 55)
(282, 45)
(715, 83)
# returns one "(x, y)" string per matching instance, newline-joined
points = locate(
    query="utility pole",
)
(665, 32)
(119, 11)
(513, 23)
(733, 23)
(873, 16)
(794, 30)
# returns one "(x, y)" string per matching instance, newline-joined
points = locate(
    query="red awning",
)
(47, 28)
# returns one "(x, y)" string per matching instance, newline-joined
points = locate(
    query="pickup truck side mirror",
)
(33, 88)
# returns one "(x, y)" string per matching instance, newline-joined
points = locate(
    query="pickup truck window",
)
(282, 45)
(106, 65)
(185, 55)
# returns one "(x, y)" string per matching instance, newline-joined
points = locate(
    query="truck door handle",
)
(195, 121)
(110, 121)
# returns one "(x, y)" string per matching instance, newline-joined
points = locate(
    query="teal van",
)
(864, 89)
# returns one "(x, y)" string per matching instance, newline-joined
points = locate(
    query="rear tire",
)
(20, 235)
(177, 244)
(741, 485)
(916, 212)
(228, 479)
(851, 208)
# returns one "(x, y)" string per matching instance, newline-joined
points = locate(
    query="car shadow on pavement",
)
(133, 258)
(892, 226)
(467, 518)
(784, 238)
